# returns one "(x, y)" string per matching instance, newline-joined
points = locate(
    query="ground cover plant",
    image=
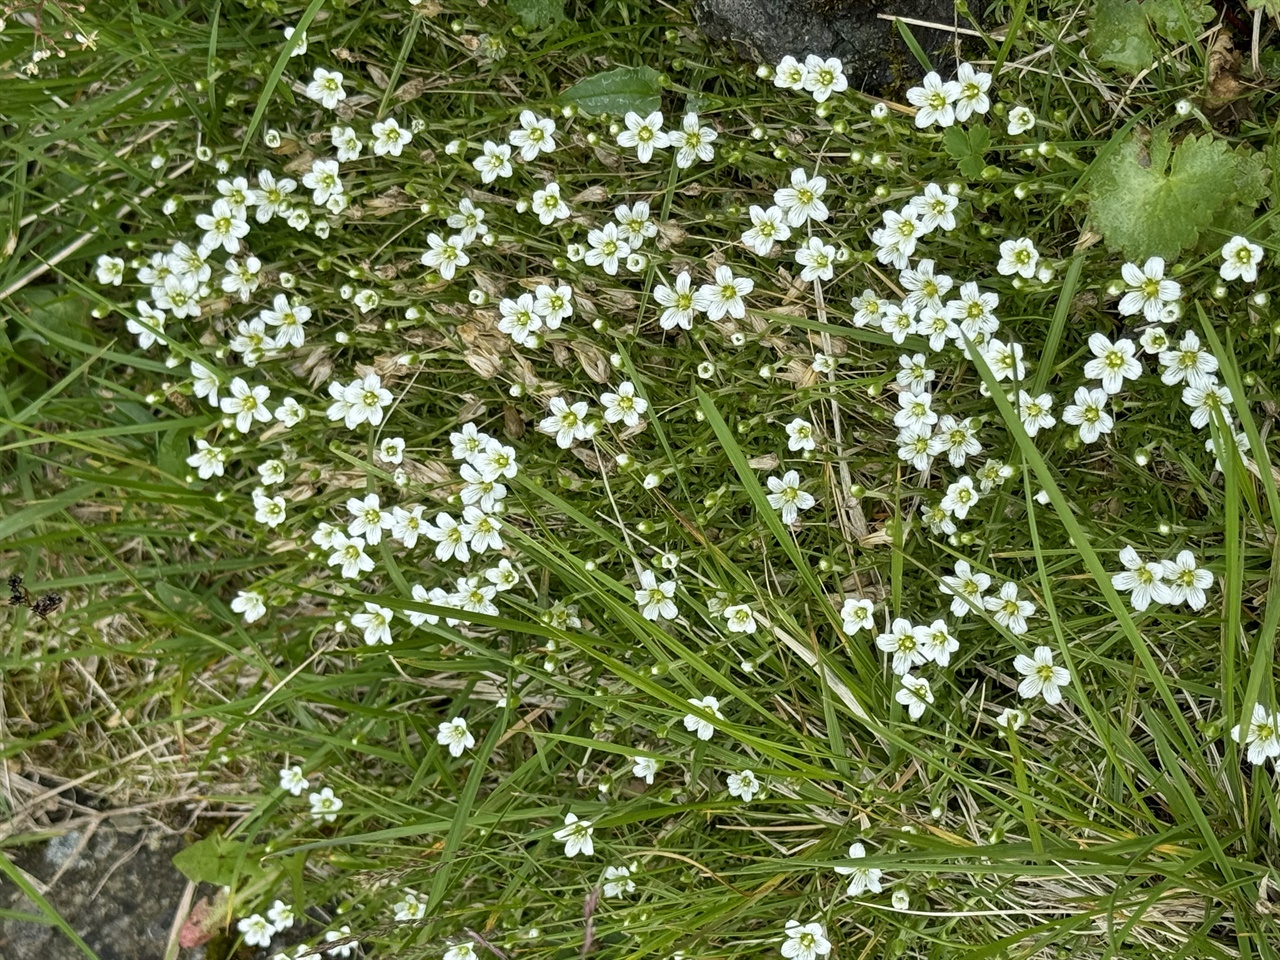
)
(566, 493)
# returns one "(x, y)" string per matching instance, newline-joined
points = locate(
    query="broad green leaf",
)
(1119, 36)
(215, 859)
(617, 91)
(968, 147)
(1152, 200)
(538, 14)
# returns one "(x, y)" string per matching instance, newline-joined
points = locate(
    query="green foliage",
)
(538, 14)
(968, 146)
(215, 859)
(617, 91)
(1126, 34)
(1150, 198)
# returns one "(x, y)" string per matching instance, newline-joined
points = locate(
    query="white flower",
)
(901, 900)
(916, 411)
(519, 318)
(634, 223)
(740, 619)
(496, 461)
(973, 92)
(1188, 362)
(606, 247)
(654, 599)
(257, 930)
(1020, 120)
(935, 208)
(375, 621)
(767, 227)
(1089, 414)
(823, 77)
(247, 404)
(389, 138)
(1148, 290)
(693, 142)
(272, 196)
(468, 220)
(1011, 719)
(725, 297)
(445, 256)
(326, 88)
(566, 423)
(324, 182)
(1143, 579)
(805, 941)
(699, 725)
(324, 805)
(460, 951)
(347, 142)
(903, 641)
(624, 406)
(913, 446)
(251, 603)
(644, 133)
(616, 881)
(553, 304)
(576, 836)
(861, 879)
(802, 201)
(549, 205)
(349, 553)
(536, 135)
(292, 780)
(342, 933)
(937, 643)
(1040, 678)
(494, 161)
(455, 735)
(800, 435)
(1008, 611)
(958, 439)
(209, 461)
(934, 101)
(785, 495)
(743, 785)
(1187, 581)
(1263, 736)
(924, 287)
(483, 531)
(391, 450)
(817, 259)
(410, 908)
(281, 915)
(1240, 260)
(915, 694)
(1035, 412)
(789, 74)
(857, 615)
(681, 303)
(1018, 256)
(1113, 363)
(960, 497)
(222, 227)
(269, 511)
(110, 270)
(450, 537)
(645, 768)
(966, 588)
(974, 311)
(1205, 401)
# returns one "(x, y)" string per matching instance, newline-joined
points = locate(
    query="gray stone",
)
(873, 54)
(129, 918)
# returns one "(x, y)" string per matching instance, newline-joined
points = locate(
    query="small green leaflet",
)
(537, 14)
(969, 148)
(617, 91)
(215, 859)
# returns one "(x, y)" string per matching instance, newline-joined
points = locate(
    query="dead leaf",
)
(594, 362)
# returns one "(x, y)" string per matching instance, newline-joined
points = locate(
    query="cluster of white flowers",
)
(940, 103)
(258, 930)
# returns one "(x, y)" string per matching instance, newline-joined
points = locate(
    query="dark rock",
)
(116, 888)
(873, 54)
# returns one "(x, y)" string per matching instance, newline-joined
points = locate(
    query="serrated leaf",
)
(968, 147)
(215, 859)
(617, 91)
(1151, 200)
(537, 14)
